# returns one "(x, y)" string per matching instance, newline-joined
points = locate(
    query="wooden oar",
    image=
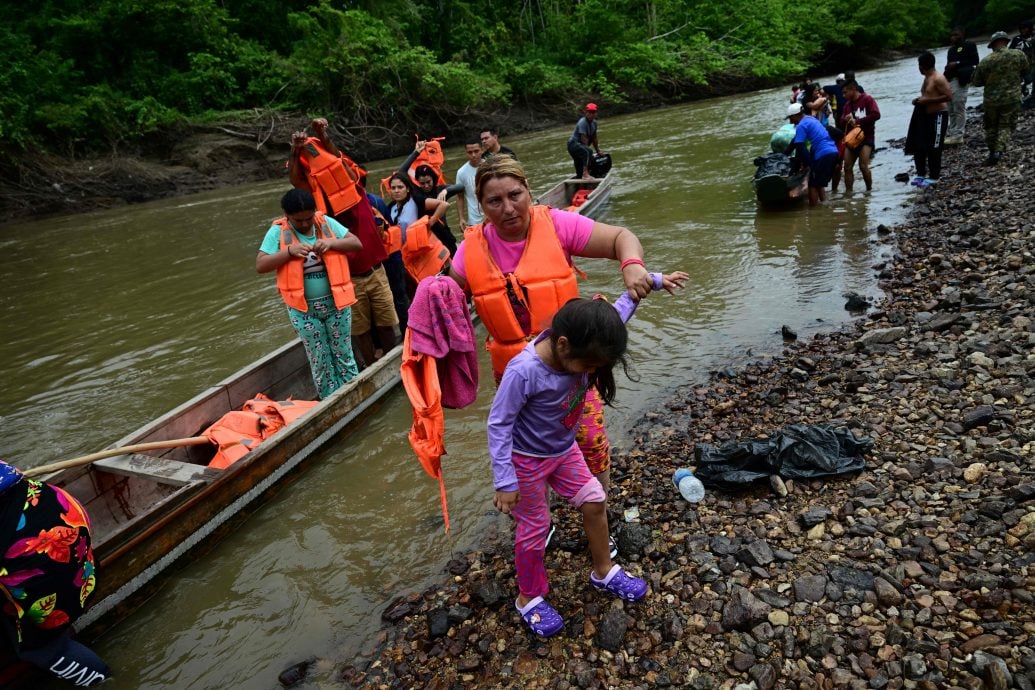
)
(112, 452)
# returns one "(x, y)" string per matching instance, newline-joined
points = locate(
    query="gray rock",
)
(438, 623)
(458, 614)
(942, 322)
(633, 538)
(743, 610)
(887, 595)
(933, 465)
(881, 336)
(743, 661)
(756, 553)
(814, 516)
(611, 630)
(851, 577)
(914, 667)
(979, 416)
(489, 593)
(980, 661)
(672, 628)
(764, 676)
(810, 588)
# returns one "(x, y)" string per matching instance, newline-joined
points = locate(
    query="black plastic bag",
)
(796, 452)
(773, 164)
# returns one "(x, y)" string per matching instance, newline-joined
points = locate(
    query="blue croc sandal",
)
(621, 584)
(542, 618)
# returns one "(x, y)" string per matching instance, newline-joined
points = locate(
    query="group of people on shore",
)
(552, 352)
(834, 125)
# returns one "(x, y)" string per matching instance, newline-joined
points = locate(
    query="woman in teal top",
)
(324, 326)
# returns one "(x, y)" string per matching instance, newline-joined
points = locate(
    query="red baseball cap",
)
(591, 106)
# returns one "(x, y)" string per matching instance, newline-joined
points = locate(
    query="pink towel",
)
(440, 327)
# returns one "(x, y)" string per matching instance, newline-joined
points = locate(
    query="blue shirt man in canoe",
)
(814, 148)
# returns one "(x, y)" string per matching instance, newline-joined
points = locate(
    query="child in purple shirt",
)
(532, 427)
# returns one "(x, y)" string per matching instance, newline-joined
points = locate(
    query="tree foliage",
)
(92, 75)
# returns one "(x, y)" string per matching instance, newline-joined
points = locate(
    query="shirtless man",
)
(935, 96)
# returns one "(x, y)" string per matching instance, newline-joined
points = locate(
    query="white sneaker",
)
(612, 545)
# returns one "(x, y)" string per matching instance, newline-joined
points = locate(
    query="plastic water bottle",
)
(690, 487)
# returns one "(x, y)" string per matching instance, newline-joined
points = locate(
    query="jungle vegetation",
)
(92, 76)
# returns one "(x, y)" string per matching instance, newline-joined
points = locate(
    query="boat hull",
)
(561, 195)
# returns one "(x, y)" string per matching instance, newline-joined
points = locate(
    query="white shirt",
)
(465, 176)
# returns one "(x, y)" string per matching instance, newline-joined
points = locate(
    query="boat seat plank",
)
(160, 470)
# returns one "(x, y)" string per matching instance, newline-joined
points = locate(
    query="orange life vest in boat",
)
(543, 282)
(290, 275)
(423, 253)
(578, 198)
(419, 374)
(333, 180)
(237, 433)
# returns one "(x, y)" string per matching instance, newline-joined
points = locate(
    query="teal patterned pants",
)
(326, 333)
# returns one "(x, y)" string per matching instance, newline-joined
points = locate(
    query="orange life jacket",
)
(431, 156)
(543, 282)
(290, 276)
(578, 198)
(237, 433)
(423, 253)
(419, 374)
(333, 180)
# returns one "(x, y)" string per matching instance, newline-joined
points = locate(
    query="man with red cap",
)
(584, 136)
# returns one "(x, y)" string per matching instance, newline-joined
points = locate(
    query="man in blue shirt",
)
(813, 145)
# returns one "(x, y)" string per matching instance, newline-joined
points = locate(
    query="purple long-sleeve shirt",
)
(537, 409)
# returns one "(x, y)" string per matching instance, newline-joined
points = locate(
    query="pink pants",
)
(570, 478)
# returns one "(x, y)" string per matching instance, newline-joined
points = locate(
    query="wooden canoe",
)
(560, 195)
(149, 511)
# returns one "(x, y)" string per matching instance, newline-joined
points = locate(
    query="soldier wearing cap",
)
(584, 137)
(1000, 73)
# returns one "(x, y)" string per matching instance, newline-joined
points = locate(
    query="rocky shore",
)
(915, 573)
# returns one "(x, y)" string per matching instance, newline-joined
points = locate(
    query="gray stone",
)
(743, 661)
(757, 553)
(438, 623)
(942, 322)
(489, 593)
(743, 610)
(814, 516)
(810, 588)
(633, 538)
(764, 676)
(672, 628)
(882, 336)
(852, 577)
(887, 594)
(611, 630)
(914, 667)
(979, 416)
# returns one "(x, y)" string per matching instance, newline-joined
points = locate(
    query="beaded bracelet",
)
(633, 260)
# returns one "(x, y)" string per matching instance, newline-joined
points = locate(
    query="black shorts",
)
(821, 170)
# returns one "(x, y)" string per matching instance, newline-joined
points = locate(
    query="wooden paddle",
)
(112, 452)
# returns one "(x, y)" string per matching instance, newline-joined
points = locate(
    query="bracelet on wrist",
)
(631, 261)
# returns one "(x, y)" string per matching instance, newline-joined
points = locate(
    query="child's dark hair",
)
(298, 200)
(595, 332)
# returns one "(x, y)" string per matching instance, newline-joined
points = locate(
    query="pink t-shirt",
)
(573, 230)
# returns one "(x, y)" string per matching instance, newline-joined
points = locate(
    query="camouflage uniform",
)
(1001, 73)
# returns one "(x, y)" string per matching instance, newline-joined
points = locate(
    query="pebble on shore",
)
(916, 573)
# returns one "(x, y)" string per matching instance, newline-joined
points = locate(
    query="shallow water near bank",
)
(112, 318)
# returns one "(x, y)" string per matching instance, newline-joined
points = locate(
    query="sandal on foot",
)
(542, 618)
(621, 584)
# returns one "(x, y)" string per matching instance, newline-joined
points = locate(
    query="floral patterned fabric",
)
(46, 563)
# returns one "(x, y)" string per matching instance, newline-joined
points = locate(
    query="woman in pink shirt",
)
(503, 193)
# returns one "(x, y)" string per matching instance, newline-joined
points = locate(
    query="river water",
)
(114, 317)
